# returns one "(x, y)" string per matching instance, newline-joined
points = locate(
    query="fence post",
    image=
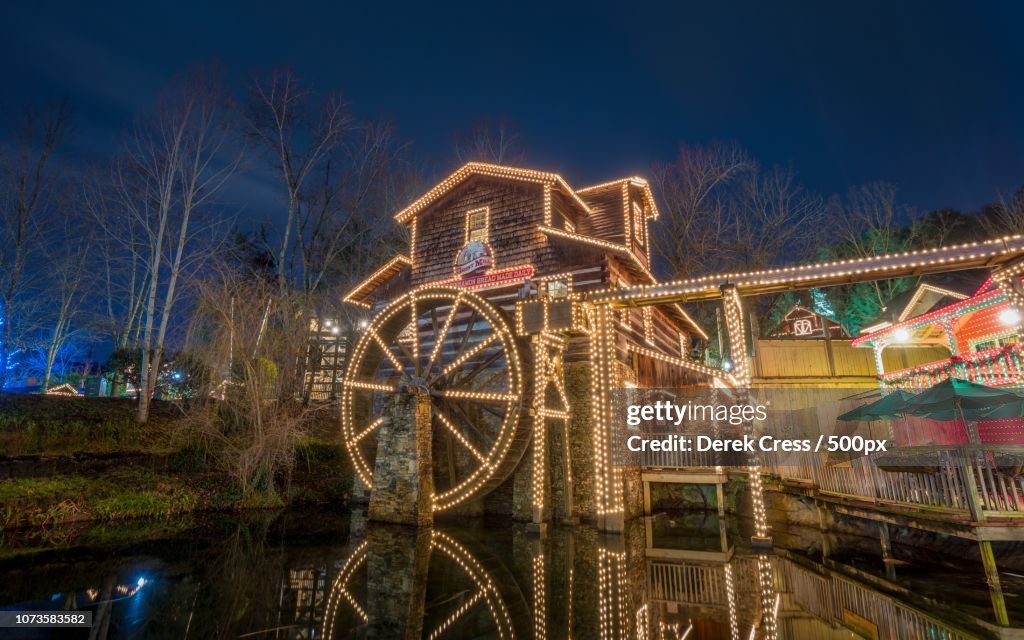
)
(873, 474)
(967, 459)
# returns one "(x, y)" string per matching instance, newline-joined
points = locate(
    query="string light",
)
(481, 578)
(921, 290)
(419, 300)
(395, 264)
(494, 171)
(984, 253)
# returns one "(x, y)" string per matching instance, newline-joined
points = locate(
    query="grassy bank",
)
(68, 460)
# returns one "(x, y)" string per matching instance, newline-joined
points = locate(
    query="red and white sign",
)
(495, 278)
(473, 258)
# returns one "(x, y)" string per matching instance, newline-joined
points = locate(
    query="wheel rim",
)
(347, 607)
(459, 349)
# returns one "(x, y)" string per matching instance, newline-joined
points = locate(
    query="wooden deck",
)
(966, 488)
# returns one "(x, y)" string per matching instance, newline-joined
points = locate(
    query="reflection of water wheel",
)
(462, 595)
(459, 349)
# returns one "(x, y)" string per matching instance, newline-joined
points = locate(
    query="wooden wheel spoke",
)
(475, 396)
(408, 354)
(457, 615)
(386, 349)
(464, 342)
(461, 439)
(471, 424)
(442, 335)
(370, 386)
(480, 367)
(415, 334)
(452, 366)
(365, 432)
(497, 375)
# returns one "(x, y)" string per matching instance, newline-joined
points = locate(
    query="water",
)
(317, 574)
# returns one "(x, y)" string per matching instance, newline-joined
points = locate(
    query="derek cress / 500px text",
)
(751, 444)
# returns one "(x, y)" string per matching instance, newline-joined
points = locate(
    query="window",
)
(557, 289)
(638, 223)
(476, 225)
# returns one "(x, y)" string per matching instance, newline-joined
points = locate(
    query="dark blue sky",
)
(929, 95)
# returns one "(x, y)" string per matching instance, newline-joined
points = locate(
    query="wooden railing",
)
(975, 481)
(993, 367)
(688, 459)
(831, 597)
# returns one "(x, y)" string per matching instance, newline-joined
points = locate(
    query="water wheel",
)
(460, 350)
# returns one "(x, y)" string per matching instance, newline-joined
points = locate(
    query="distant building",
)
(801, 322)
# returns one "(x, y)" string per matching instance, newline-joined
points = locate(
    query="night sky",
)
(928, 95)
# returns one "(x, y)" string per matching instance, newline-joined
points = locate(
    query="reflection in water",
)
(299, 575)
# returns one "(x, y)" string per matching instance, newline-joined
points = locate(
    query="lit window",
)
(557, 289)
(476, 225)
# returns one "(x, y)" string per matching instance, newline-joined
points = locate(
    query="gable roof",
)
(930, 294)
(633, 181)
(360, 294)
(471, 169)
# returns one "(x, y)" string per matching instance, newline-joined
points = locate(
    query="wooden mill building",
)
(485, 318)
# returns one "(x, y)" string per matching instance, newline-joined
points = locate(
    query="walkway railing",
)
(973, 481)
(992, 367)
(833, 597)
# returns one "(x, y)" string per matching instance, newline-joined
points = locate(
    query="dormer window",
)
(476, 225)
(638, 223)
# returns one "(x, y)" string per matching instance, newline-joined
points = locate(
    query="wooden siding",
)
(606, 217)
(516, 210)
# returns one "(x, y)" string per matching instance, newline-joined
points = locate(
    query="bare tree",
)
(119, 254)
(175, 163)
(486, 141)
(1005, 217)
(696, 219)
(871, 222)
(338, 178)
(722, 212)
(28, 182)
(67, 256)
(776, 220)
(300, 138)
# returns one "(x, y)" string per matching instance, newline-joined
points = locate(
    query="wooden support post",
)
(886, 542)
(995, 588)
(608, 480)
(737, 335)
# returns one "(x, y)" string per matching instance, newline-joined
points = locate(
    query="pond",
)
(322, 574)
